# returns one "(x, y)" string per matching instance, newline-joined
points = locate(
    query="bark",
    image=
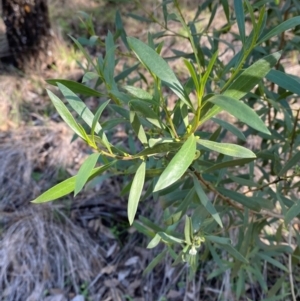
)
(28, 31)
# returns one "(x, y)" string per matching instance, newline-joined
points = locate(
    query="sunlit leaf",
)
(154, 242)
(65, 114)
(158, 66)
(85, 171)
(228, 149)
(67, 186)
(178, 165)
(136, 191)
(241, 111)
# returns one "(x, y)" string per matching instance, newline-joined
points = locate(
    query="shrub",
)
(216, 188)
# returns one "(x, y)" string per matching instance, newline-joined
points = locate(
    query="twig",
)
(279, 179)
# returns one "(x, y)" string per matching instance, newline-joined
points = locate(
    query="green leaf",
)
(140, 94)
(249, 202)
(188, 231)
(75, 87)
(182, 208)
(272, 261)
(284, 26)
(231, 163)
(154, 242)
(144, 110)
(235, 253)
(79, 106)
(159, 149)
(83, 111)
(67, 186)
(87, 56)
(120, 29)
(206, 202)
(88, 76)
(240, 18)
(158, 66)
(170, 239)
(241, 111)
(193, 74)
(286, 81)
(136, 191)
(249, 78)
(292, 213)
(85, 171)
(97, 116)
(178, 165)
(209, 69)
(218, 239)
(138, 128)
(65, 114)
(227, 149)
(155, 262)
(230, 127)
(290, 164)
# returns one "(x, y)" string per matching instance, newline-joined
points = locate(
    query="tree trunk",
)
(28, 31)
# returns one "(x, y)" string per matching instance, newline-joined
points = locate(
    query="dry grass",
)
(42, 250)
(30, 159)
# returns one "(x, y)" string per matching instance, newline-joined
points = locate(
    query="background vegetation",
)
(219, 196)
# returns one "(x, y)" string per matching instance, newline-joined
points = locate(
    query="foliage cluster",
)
(216, 188)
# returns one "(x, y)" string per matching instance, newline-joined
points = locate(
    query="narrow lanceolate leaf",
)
(249, 78)
(285, 81)
(241, 111)
(228, 149)
(136, 191)
(138, 128)
(97, 116)
(240, 18)
(67, 186)
(155, 262)
(75, 87)
(83, 111)
(188, 231)
(79, 106)
(65, 114)
(154, 242)
(178, 165)
(85, 171)
(284, 26)
(231, 163)
(206, 202)
(230, 127)
(158, 66)
(290, 164)
(249, 202)
(235, 253)
(292, 213)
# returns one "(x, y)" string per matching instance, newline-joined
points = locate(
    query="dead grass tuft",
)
(42, 250)
(30, 159)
